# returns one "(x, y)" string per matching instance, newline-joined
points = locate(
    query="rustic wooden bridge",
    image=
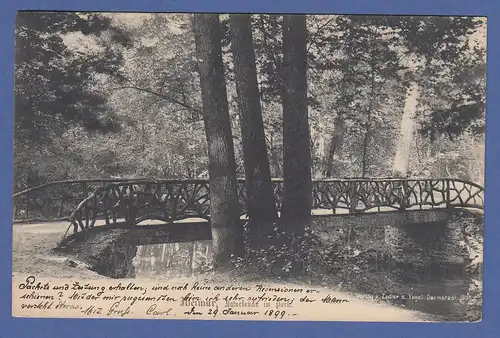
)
(87, 203)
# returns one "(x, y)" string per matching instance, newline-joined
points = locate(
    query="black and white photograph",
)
(246, 166)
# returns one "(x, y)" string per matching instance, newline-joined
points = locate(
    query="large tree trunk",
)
(260, 199)
(335, 145)
(297, 200)
(227, 233)
(404, 145)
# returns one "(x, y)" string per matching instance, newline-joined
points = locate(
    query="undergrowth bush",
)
(280, 254)
(284, 254)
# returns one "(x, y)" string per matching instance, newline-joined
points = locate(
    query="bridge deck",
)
(315, 212)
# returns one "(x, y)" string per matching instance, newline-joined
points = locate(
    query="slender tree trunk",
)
(407, 128)
(335, 145)
(192, 258)
(143, 136)
(152, 258)
(138, 257)
(365, 150)
(406, 134)
(275, 162)
(163, 249)
(297, 200)
(207, 252)
(260, 199)
(274, 159)
(173, 249)
(366, 139)
(317, 147)
(338, 133)
(158, 259)
(227, 232)
(166, 259)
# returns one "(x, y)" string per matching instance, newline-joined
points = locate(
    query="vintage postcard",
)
(249, 167)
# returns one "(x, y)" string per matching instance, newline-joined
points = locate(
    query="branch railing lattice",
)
(87, 201)
(55, 200)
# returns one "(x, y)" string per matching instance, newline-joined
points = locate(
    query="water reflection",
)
(172, 260)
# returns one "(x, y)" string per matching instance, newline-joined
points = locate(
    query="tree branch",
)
(160, 95)
(318, 30)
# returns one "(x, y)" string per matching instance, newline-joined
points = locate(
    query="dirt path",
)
(31, 252)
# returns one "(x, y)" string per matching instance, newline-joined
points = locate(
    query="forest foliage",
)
(118, 95)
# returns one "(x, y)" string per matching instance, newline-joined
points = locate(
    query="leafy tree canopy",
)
(54, 84)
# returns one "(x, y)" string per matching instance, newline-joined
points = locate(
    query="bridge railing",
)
(135, 201)
(55, 200)
(85, 202)
(361, 195)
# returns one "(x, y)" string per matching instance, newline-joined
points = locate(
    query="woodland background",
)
(118, 95)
